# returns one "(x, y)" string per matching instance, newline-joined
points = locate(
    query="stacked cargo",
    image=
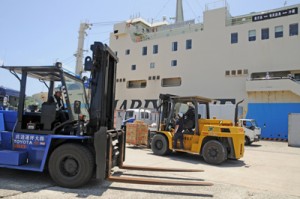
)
(137, 133)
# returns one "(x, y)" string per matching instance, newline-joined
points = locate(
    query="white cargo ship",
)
(254, 57)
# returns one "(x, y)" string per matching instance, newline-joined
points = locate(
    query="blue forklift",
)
(82, 146)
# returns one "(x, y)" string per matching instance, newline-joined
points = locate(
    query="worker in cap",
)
(178, 131)
(57, 99)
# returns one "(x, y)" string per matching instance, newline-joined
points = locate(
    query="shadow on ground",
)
(253, 145)
(161, 192)
(14, 183)
(17, 182)
(198, 160)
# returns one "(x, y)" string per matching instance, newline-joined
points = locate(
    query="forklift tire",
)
(159, 145)
(71, 165)
(214, 152)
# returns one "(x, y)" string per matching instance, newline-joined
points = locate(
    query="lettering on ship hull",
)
(151, 103)
(136, 103)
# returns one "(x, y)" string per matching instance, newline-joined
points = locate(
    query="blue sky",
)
(36, 32)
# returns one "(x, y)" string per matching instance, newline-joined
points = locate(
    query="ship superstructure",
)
(253, 57)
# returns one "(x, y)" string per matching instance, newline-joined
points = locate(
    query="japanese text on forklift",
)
(86, 142)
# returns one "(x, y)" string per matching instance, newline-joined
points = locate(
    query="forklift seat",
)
(48, 115)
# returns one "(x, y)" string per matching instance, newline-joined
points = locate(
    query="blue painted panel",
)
(6, 141)
(35, 146)
(2, 127)
(10, 118)
(272, 117)
(9, 157)
(28, 151)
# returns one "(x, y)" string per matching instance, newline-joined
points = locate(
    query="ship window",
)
(239, 72)
(133, 67)
(227, 73)
(137, 84)
(278, 31)
(117, 80)
(127, 52)
(245, 71)
(265, 33)
(234, 38)
(188, 44)
(174, 63)
(157, 77)
(149, 78)
(171, 82)
(293, 29)
(144, 50)
(233, 72)
(155, 49)
(152, 65)
(251, 35)
(124, 79)
(174, 46)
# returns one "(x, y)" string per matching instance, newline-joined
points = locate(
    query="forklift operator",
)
(57, 99)
(179, 131)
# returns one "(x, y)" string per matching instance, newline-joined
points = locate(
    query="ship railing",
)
(273, 84)
(171, 31)
(269, 78)
(178, 25)
(216, 4)
(239, 20)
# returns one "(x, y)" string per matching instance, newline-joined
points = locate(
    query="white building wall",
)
(203, 67)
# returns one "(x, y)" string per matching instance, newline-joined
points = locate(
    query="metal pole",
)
(79, 53)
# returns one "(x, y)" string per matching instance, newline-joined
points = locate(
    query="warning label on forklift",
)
(22, 141)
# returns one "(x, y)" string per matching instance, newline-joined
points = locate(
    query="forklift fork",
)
(116, 149)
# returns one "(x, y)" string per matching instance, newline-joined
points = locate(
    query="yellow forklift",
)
(214, 139)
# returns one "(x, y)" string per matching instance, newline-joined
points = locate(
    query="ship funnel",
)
(179, 12)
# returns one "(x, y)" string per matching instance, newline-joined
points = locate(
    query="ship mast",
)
(179, 12)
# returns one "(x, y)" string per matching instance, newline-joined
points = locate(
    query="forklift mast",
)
(109, 143)
(102, 84)
(165, 109)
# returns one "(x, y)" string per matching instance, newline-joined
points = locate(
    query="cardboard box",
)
(137, 133)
